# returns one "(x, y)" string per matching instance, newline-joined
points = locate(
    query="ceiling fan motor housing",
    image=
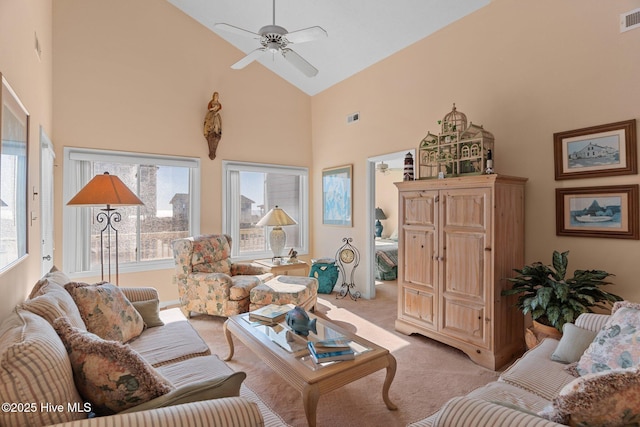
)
(272, 37)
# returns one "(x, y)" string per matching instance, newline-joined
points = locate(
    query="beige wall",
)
(524, 70)
(30, 78)
(137, 76)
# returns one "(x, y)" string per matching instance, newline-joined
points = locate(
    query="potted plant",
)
(552, 299)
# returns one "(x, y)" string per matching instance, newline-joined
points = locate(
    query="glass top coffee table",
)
(287, 354)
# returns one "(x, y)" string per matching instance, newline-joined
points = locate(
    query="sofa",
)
(589, 377)
(74, 354)
(208, 281)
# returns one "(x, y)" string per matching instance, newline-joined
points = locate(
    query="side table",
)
(299, 268)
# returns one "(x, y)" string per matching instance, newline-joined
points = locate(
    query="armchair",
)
(208, 281)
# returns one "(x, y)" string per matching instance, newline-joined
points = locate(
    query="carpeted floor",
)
(429, 373)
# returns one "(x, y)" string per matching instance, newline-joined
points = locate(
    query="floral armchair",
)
(208, 281)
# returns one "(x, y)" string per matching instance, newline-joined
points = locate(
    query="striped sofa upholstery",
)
(35, 370)
(522, 390)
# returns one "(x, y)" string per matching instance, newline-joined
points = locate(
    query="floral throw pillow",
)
(106, 311)
(610, 398)
(617, 345)
(108, 374)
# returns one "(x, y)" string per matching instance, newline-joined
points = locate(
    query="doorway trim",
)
(47, 226)
(370, 292)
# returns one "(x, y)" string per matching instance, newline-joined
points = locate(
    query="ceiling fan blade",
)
(252, 56)
(236, 30)
(299, 62)
(306, 35)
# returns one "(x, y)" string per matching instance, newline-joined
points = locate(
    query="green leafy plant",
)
(551, 298)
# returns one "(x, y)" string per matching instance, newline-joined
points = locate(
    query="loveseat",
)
(53, 371)
(589, 377)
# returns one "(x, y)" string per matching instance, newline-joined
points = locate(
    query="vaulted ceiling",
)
(360, 32)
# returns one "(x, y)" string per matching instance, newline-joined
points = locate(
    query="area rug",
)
(429, 373)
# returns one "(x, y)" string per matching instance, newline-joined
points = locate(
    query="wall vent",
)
(352, 118)
(630, 20)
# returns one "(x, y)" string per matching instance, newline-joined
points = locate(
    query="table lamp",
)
(276, 218)
(379, 215)
(107, 190)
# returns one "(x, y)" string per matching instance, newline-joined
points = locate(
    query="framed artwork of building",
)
(597, 151)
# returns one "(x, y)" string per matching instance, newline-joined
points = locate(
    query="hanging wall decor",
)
(337, 201)
(604, 150)
(213, 124)
(609, 211)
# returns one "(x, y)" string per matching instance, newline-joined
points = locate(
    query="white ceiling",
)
(361, 32)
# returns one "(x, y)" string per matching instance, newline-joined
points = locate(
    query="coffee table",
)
(287, 354)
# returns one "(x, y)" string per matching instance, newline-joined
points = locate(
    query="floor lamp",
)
(107, 190)
(276, 218)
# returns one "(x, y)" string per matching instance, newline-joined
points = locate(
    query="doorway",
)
(382, 201)
(47, 158)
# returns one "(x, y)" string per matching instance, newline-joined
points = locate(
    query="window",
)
(250, 190)
(166, 185)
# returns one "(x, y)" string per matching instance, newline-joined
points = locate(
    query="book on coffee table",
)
(331, 345)
(331, 356)
(272, 313)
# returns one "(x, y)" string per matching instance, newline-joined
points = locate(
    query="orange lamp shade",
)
(105, 189)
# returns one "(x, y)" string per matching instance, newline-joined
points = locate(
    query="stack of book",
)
(330, 350)
(272, 313)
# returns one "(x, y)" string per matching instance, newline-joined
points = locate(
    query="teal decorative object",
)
(298, 320)
(325, 271)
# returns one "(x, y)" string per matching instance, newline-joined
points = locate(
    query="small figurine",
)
(293, 256)
(298, 320)
(489, 169)
(408, 167)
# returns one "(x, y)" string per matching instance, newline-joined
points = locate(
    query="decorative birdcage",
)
(457, 150)
(454, 121)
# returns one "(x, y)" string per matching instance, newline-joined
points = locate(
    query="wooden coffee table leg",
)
(391, 373)
(227, 334)
(310, 396)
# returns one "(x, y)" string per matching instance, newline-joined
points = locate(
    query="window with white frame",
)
(250, 190)
(169, 188)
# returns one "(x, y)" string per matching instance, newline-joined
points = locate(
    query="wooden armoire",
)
(458, 240)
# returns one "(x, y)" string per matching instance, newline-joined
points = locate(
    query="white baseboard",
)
(169, 304)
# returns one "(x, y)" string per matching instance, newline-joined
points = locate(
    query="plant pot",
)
(537, 332)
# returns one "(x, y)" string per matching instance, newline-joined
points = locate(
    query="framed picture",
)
(14, 136)
(603, 150)
(610, 211)
(337, 200)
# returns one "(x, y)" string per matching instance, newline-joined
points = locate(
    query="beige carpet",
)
(429, 373)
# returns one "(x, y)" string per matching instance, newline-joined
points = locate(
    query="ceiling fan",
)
(382, 168)
(276, 39)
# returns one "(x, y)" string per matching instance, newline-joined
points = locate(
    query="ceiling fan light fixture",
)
(275, 39)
